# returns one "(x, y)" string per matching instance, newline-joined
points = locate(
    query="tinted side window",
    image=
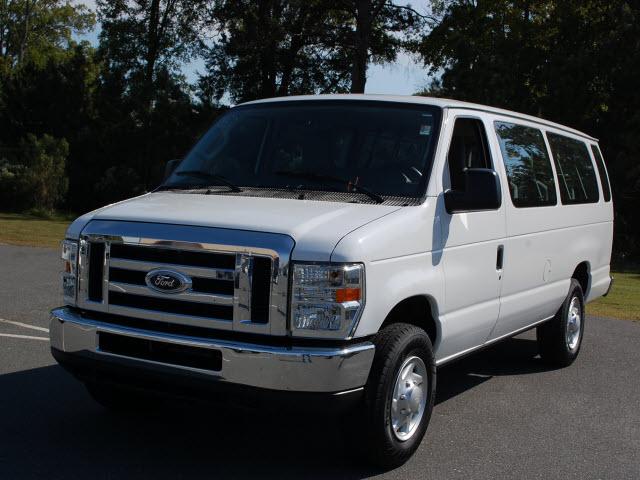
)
(528, 166)
(468, 149)
(575, 170)
(602, 171)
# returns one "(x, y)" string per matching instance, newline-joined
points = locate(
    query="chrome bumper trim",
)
(301, 369)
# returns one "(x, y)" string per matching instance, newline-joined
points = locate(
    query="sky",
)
(403, 77)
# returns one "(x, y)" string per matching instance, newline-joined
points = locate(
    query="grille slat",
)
(210, 298)
(171, 256)
(194, 309)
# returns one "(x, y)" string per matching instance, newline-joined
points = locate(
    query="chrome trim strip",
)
(200, 272)
(187, 296)
(278, 368)
(157, 315)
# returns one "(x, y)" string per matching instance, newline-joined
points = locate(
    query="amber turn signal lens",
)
(347, 295)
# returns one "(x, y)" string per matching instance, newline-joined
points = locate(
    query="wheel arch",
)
(418, 310)
(582, 273)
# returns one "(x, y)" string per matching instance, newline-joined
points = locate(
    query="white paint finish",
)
(422, 250)
(600, 280)
(315, 226)
(400, 261)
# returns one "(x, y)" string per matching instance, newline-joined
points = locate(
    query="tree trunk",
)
(149, 69)
(3, 25)
(361, 47)
(289, 58)
(25, 34)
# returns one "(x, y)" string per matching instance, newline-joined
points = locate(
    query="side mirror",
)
(482, 192)
(170, 167)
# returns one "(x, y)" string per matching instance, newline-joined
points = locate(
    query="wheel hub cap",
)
(574, 321)
(409, 398)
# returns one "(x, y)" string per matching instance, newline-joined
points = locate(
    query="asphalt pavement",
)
(500, 413)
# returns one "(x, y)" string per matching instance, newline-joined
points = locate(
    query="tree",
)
(143, 44)
(34, 30)
(283, 47)
(371, 31)
(269, 48)
(39, 181)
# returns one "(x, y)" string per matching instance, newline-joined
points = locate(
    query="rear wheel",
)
(399, 394)
(559, 340)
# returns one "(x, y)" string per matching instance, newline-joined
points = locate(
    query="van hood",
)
(315, 226)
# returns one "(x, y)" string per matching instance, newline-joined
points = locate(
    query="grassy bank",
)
(623, 301)
(20, 229)
(32, 230)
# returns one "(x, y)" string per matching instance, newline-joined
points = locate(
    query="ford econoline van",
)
(341, 248)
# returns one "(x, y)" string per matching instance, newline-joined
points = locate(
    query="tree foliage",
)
(34, 30)
(40, 180)
(287, 47)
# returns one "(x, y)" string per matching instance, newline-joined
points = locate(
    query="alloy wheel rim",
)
(409, 398)
(574, 323)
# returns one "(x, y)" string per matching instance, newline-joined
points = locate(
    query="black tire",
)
(121, 399)
(394, 345)
(553, 344)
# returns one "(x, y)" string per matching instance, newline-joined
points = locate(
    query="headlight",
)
(326, 300)
(69, 271)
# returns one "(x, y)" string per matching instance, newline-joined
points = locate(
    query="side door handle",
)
(500, 257)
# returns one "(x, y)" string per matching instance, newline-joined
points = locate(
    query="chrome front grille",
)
(238, 283)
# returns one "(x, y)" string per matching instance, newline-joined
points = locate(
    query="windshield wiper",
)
(208, 176)
(330, 178)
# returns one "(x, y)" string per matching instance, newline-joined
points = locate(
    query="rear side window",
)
(576, 175)
(528, 166)
(602, 172)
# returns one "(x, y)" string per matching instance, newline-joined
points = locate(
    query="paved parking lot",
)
(500, 413)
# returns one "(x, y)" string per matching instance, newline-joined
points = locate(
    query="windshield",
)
(370, 149)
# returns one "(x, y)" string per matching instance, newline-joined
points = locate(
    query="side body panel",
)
(544, 246)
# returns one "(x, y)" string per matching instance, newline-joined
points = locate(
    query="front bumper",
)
(75, 340)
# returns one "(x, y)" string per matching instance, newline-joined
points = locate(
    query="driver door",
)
(472, 243)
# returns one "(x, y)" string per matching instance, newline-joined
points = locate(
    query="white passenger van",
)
(339, 247)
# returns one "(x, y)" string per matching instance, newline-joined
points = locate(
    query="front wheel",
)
(559, 339)
(399, 394)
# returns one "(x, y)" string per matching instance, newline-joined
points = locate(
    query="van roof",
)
(436, 101)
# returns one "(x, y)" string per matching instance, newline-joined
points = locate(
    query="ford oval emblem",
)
(167, 281)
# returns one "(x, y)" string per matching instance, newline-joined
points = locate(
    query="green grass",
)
(33, 230)
(623, 300)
